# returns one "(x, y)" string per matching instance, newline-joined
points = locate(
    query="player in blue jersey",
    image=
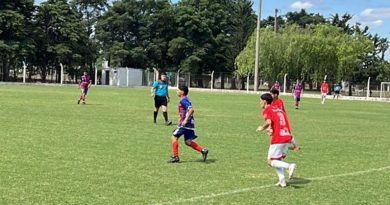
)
(186, 127)
(160, 93)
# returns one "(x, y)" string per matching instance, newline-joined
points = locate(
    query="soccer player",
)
(85, 83)
(280, 138)
(297, 91)
(324, 91)
(160, 93)
(276, 86)
(185, 127)
(337, 88)
(278, 103)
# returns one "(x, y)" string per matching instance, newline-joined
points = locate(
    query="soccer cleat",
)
(281, 183)
(84, 102)
(204, 154)
(174, 159)
(167, 123)
(291, 170)
(78, 101)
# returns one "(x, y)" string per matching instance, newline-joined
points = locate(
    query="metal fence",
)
(212, 80)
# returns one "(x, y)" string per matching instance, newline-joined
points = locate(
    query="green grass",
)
(53, 151)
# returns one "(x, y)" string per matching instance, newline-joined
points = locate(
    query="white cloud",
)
(376, 13)
(373, 24)
(301, 5)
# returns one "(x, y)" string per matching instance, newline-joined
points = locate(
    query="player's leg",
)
(190, 137)
(157, 105)
(297, 99)
(276, 153)
(165, 112)
(175, 145)
(85, 92)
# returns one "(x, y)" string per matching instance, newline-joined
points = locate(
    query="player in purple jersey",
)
(85, 83)
(276, 86)
(186, 127)
(297, 92)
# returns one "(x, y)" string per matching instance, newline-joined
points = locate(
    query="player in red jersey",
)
(85, 83)
(278, 102)
(324, 91)
(280, 138)
(185, 127)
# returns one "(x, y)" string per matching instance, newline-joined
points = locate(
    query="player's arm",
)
(189, 114)
(168, 94)
(267, 124)
(152, 90)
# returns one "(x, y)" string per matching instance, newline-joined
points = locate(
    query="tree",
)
(15, 34)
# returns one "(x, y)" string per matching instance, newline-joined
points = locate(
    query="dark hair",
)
(275, 91)
(267, 97)
(184, 89)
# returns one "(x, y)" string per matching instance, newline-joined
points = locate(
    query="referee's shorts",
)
(160, 100)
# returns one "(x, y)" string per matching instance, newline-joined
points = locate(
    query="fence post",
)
(155, 74)
(24, 71)
(127, 77)
(96, 74)
(212, 80)
(368, 87)
(284, 83)
(178, 78)
(62, 73)
(247, 83)
(189, 80)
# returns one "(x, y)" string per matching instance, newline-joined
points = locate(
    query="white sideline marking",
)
(213, 195)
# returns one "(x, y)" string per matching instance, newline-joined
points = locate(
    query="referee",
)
(161, 97)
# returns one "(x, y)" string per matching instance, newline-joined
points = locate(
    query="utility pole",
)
(257, 61)
(276, 20)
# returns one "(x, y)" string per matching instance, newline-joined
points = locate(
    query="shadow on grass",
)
(208, 161)
(298, 183)
(93, 104)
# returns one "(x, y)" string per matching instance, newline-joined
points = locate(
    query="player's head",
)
(265, 99)
(274, 92)
(85, 73)
(163, 76)
(182, 90)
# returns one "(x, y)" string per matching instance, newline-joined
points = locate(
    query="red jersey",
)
(324, 87)
(280, 125)
(278, 103)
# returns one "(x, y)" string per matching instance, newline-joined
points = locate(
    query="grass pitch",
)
(53, 151)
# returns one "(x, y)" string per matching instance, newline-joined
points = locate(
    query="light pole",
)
(257, 61)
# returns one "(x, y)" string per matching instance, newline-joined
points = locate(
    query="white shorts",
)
(278, 151)
(324, 94)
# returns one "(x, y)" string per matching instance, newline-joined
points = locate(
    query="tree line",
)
(197, 36)
(309, 47)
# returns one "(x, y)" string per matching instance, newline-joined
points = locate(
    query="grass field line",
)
(236, 191)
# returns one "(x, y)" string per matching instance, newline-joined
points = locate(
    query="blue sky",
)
(373, 13)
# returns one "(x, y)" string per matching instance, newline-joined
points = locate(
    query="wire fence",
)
(214, 80)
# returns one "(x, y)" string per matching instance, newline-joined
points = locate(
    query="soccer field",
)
(53, 151)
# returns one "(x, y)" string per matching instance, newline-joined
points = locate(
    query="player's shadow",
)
(298, 182)
(208, 161)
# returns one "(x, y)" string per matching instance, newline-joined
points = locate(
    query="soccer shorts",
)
(189, 134)
(278, 151)
(84, 91)
(160, 100)
(324, 94)
(337, 91)
(297, 98)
